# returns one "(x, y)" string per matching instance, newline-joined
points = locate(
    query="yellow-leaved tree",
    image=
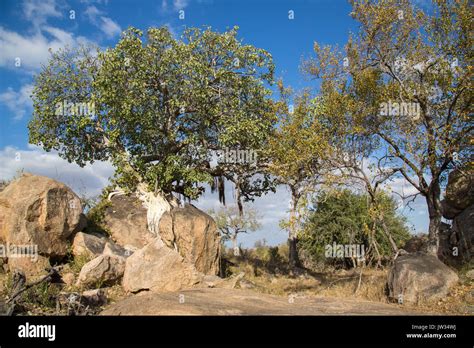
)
(405, 80)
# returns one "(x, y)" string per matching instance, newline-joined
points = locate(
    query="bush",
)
(344, 217)
(95, 217)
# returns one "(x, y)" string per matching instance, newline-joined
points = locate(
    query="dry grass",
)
(345, 284)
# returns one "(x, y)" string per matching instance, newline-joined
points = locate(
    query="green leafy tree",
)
(354, 160)
(406, 80)
(157, 107)
(295, 152)
(344, 217)
(231, 221)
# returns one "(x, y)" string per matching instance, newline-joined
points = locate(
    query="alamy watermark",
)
(233, 156)
(341, 251)
(411, 110)
(75, 109)
(24, 250)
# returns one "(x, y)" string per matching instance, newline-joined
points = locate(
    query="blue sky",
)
(29, 28)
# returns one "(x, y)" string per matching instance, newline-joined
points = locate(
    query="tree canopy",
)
(159, 106)
(231, 222)
(297, 152)
(404, 81)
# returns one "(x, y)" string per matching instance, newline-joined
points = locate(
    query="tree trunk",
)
(388, 234)
(435, 215)
(156, 205)
(222, 262)
(235, 247)
(293, 252)
(238, 197)
(293, 258)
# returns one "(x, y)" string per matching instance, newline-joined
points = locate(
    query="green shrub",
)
(344, 217)
(95, 217)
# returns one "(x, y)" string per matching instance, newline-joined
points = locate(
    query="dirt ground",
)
(257, 292)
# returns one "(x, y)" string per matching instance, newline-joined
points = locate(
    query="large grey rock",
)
(158, 268)
(448, 211)
(459, 191)
(39, 210)
(448, 245)
(456, 242)
(194, 235)
(32, 267)
(126, 220)
(463, 227)
(103, 270)
(417, 277)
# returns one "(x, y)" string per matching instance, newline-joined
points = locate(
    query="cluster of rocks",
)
(41, 212)
(457, 239)
(456, 245)
(185, 252)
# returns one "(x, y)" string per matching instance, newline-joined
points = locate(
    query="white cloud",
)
(92, 13)
(88, 180)
(33, 49)
(108, 26)
(38, 11)
(180, 4)
(18, 102)
(176, 5)
(401, 186)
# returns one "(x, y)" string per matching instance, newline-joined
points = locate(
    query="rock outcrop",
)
(194, 235)
(36, 210)
(218, 301)
(126, 221)
(32, 267)
(417, 277)
(183, 252)
(457, 241)
(463, 230)
(460, 189)
(157, 267)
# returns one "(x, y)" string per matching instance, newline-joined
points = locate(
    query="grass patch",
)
(269, 274)
(78, 262)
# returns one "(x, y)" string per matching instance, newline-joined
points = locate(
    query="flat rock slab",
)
(217, 301)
